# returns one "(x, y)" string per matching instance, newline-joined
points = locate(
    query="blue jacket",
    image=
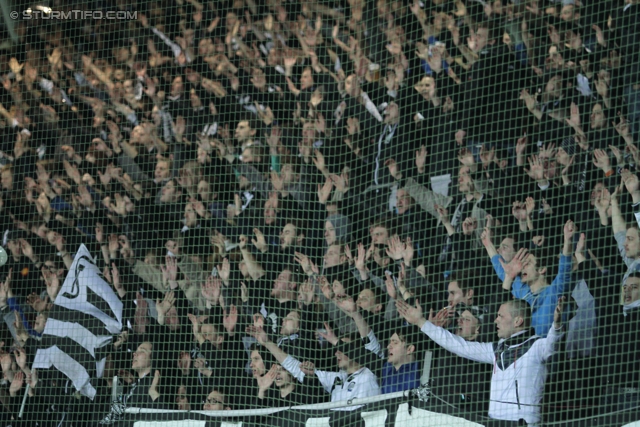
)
(407, 378)
(543, 304)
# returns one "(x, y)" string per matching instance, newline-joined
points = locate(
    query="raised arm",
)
(479, 352)
(485, 237)
(547, 346)
(290, 363)
(617, 220)
(255, 269)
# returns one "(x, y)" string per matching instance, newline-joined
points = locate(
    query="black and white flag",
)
(83, 319)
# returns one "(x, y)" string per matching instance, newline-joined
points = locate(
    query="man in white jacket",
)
(352, 381)
(517, 383)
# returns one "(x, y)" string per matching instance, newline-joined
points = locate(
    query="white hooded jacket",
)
(519, 373)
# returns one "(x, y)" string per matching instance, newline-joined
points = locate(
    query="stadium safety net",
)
(320, 213)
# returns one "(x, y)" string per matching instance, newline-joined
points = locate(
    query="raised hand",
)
(27, 249)
(115, 281)
(601, 160)
(513, 268)
(99, 233)
(599, 35)
(443, 213)
(324, 191)
(622, 128)
(567, 168)
(308, 368)
(153, 389)
(617, 154)
(391, 286)
(536, 169)
(411, 314)
(32, 379)
(348, 254)
(72, 172)
(360, 261)
(569, 229)
(306, 294)
(16, 383)
(224, 271)
(166, 304)
(5, 363)
(441, 318)
(421, 158)
(487, 156)
(326, 288)
(603, 202)
(194, 321)
(199, 207)
(582, 244)
(113, 246)
(554, 36)
(258, 333)
(304, 262)
(466, 157)
(267, 380)
(244, 292)
(170, 268)
(242, 241)
(259, 242)
(37, 303)
(122, 338)
(529, 100)
(230, 319)
(395, 248)
(521, 145)
(557, 314)
(21, 358)
(530, 205)
(408, 252)
(340, 182)
(52, 281)
(469, 225)
(319, 161)
(346, 304)
(630, 181)
(547, 151)
(258, 320)
(5, 288)
(21, 332)
(574, 118)
(329, 335)
(211, 290)
(485, 237)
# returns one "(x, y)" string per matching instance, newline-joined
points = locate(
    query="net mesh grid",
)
(329, 212)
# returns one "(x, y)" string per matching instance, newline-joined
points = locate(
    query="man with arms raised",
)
(518, 357)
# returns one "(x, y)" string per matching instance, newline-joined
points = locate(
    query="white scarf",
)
(630, 306)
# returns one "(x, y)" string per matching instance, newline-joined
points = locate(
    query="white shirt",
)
(516, 392)
(342, 386)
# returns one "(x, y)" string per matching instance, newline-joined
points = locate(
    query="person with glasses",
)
(215, 401)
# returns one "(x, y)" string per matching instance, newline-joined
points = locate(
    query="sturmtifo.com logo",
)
(44, 12)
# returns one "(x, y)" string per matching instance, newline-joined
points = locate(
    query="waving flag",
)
(83, 319)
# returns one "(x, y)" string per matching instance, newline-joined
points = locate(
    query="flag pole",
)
(114, 389)
(24, 401)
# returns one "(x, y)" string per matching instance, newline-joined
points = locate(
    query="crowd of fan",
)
(280, 190)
